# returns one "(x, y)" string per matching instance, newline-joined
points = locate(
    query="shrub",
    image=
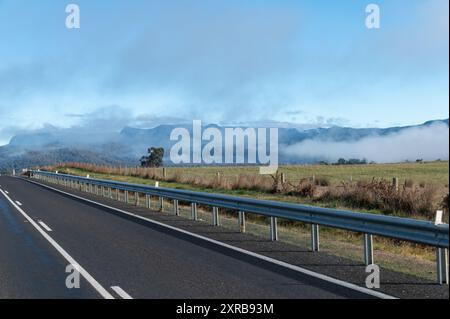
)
(445, 203)
(304, 188)
(322, 181)
(409, 183)
(381, 195)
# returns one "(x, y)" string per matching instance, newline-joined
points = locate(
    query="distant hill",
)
(51, 145)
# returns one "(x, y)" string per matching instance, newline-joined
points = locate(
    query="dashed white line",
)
(44, 226)
(18, 203)
(121, 292)
(94, 283)
(6, 192)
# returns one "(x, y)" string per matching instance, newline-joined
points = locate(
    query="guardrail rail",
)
(410, 230)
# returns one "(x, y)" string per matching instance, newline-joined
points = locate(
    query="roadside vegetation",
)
(414, 190)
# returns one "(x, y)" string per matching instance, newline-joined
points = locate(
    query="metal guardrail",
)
(411, 230)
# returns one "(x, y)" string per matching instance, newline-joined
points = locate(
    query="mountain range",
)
(125, 147)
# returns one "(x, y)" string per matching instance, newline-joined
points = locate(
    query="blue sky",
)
(147, 62)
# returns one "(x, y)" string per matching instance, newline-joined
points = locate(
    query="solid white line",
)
(240, 250)
(94, 283)
(18, 203)
(121, 292)
(44, 226)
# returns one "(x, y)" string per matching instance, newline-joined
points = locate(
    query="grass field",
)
(427, 184)
(429, 172)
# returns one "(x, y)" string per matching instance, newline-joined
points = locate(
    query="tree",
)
(154, 158)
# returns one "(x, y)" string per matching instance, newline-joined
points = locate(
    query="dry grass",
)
(418, 198)
(382, 195)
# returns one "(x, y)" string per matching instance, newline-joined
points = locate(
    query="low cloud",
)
(427, 143)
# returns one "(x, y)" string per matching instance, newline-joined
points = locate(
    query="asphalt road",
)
(123, 258)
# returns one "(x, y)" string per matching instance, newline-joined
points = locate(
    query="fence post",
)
(219, 177)
(395, 183)
(442, 266)
(215, 214)
(194, 213)
(273, 229)
(368, 249)
(242, 221)
(315, 239)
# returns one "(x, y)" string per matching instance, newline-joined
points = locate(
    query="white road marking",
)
(18, 203)
(44, 226)
(6, 192)
(94, 283)
(311, 273)
(121, 292)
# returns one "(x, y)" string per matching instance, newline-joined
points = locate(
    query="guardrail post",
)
(126, 197)
(215, 214)
(242, 221)
(368, 249)
(442, 266)
(273, 229)
(161, 204)
(148, 201)
(136, 198)
(110, 193)
(315, 242)
(176, 211)
(194, 213)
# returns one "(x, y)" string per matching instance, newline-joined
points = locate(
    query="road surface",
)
(42, 232)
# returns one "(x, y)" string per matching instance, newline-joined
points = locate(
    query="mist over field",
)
(426, 142)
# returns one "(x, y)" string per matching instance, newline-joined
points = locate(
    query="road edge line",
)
(94, 283)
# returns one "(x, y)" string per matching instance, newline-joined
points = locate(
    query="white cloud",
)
(428, 143)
